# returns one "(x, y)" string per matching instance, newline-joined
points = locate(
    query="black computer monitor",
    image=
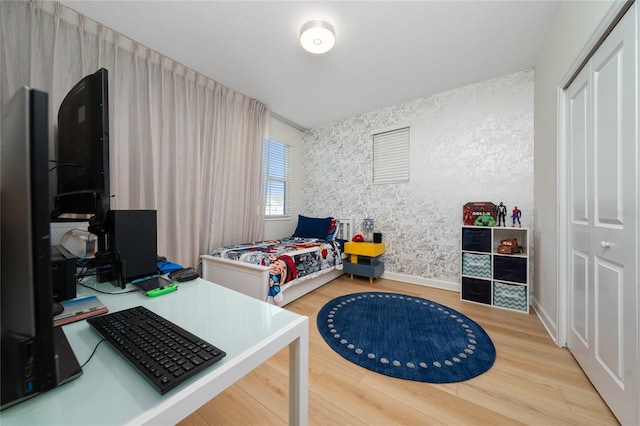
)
(82, 153)
(32, 361)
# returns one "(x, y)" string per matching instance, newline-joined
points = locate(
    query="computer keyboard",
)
(164, 353)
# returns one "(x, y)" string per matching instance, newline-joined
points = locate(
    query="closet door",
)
(580, 145)
(603, 249)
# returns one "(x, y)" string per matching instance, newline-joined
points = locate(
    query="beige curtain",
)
(180, 143)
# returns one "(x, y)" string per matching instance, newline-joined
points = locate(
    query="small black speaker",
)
(132, 238)
(377, 237)
(63, 271)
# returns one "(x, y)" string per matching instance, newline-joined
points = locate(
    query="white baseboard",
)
(411, 279)
(547, 322)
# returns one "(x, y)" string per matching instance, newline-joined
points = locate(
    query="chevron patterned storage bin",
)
(476, 265)
(510, 296)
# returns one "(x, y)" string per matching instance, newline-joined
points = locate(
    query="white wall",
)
(474, 143)
(574, 25)
(282, 132)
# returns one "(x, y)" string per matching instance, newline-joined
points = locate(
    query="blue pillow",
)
(312, 227)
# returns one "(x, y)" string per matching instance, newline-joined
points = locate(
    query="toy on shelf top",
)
(472, 211)
(516, 214)
(485, 220)
(502, 213)
(485, 213)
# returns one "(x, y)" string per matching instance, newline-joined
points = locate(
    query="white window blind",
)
(391, 156)
(277, 169)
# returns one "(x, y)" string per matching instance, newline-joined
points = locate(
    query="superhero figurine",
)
(467, 216)
(502, 214)
(485, 219)
(515, 215)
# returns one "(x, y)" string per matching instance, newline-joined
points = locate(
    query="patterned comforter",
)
(290, 260)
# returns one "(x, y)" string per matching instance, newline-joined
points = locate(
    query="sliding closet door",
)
(603, 187)
(580, 145)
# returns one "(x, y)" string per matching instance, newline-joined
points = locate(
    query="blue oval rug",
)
(406, 337)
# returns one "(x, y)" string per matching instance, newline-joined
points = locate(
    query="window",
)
(391, 156)
(277, 172)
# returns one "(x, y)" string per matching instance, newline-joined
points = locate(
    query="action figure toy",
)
(467, 216)
(485, 220)
(502, 214)
(515, 216)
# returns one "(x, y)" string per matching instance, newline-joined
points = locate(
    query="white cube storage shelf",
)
(490, 277)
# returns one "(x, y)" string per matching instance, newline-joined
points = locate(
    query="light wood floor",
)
(532, 381)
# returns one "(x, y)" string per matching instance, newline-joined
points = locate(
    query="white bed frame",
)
(253, 280)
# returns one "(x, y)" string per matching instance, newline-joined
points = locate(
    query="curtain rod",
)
(289, 122)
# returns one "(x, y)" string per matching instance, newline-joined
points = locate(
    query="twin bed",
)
(280, 271)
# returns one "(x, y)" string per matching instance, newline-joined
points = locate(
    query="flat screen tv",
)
(82, 178)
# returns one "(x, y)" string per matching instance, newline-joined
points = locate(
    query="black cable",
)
(107, 292)
(92, 353)
(62, 165)
(82, 275)
(89, 272)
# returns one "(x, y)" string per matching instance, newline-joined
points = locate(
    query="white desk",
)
(111, 392)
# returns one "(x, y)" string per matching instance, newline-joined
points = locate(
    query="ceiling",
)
(386, 52)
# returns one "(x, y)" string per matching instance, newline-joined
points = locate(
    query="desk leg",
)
(299, 379)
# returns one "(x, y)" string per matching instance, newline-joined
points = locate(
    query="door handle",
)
(605, 244)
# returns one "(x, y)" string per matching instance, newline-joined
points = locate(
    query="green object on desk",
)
(162, 290)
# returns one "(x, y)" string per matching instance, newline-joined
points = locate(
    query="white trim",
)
(412, 279)
(637, 206)
(616, 7)
(288, 122)
(561, 213)
(560, 336)
(545, 319)
(398, 125)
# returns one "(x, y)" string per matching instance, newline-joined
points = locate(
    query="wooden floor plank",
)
(231, 408)
(533, 381)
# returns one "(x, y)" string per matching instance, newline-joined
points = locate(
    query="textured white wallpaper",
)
(474, 143)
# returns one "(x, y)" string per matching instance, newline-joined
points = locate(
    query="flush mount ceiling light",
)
(317, 36)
